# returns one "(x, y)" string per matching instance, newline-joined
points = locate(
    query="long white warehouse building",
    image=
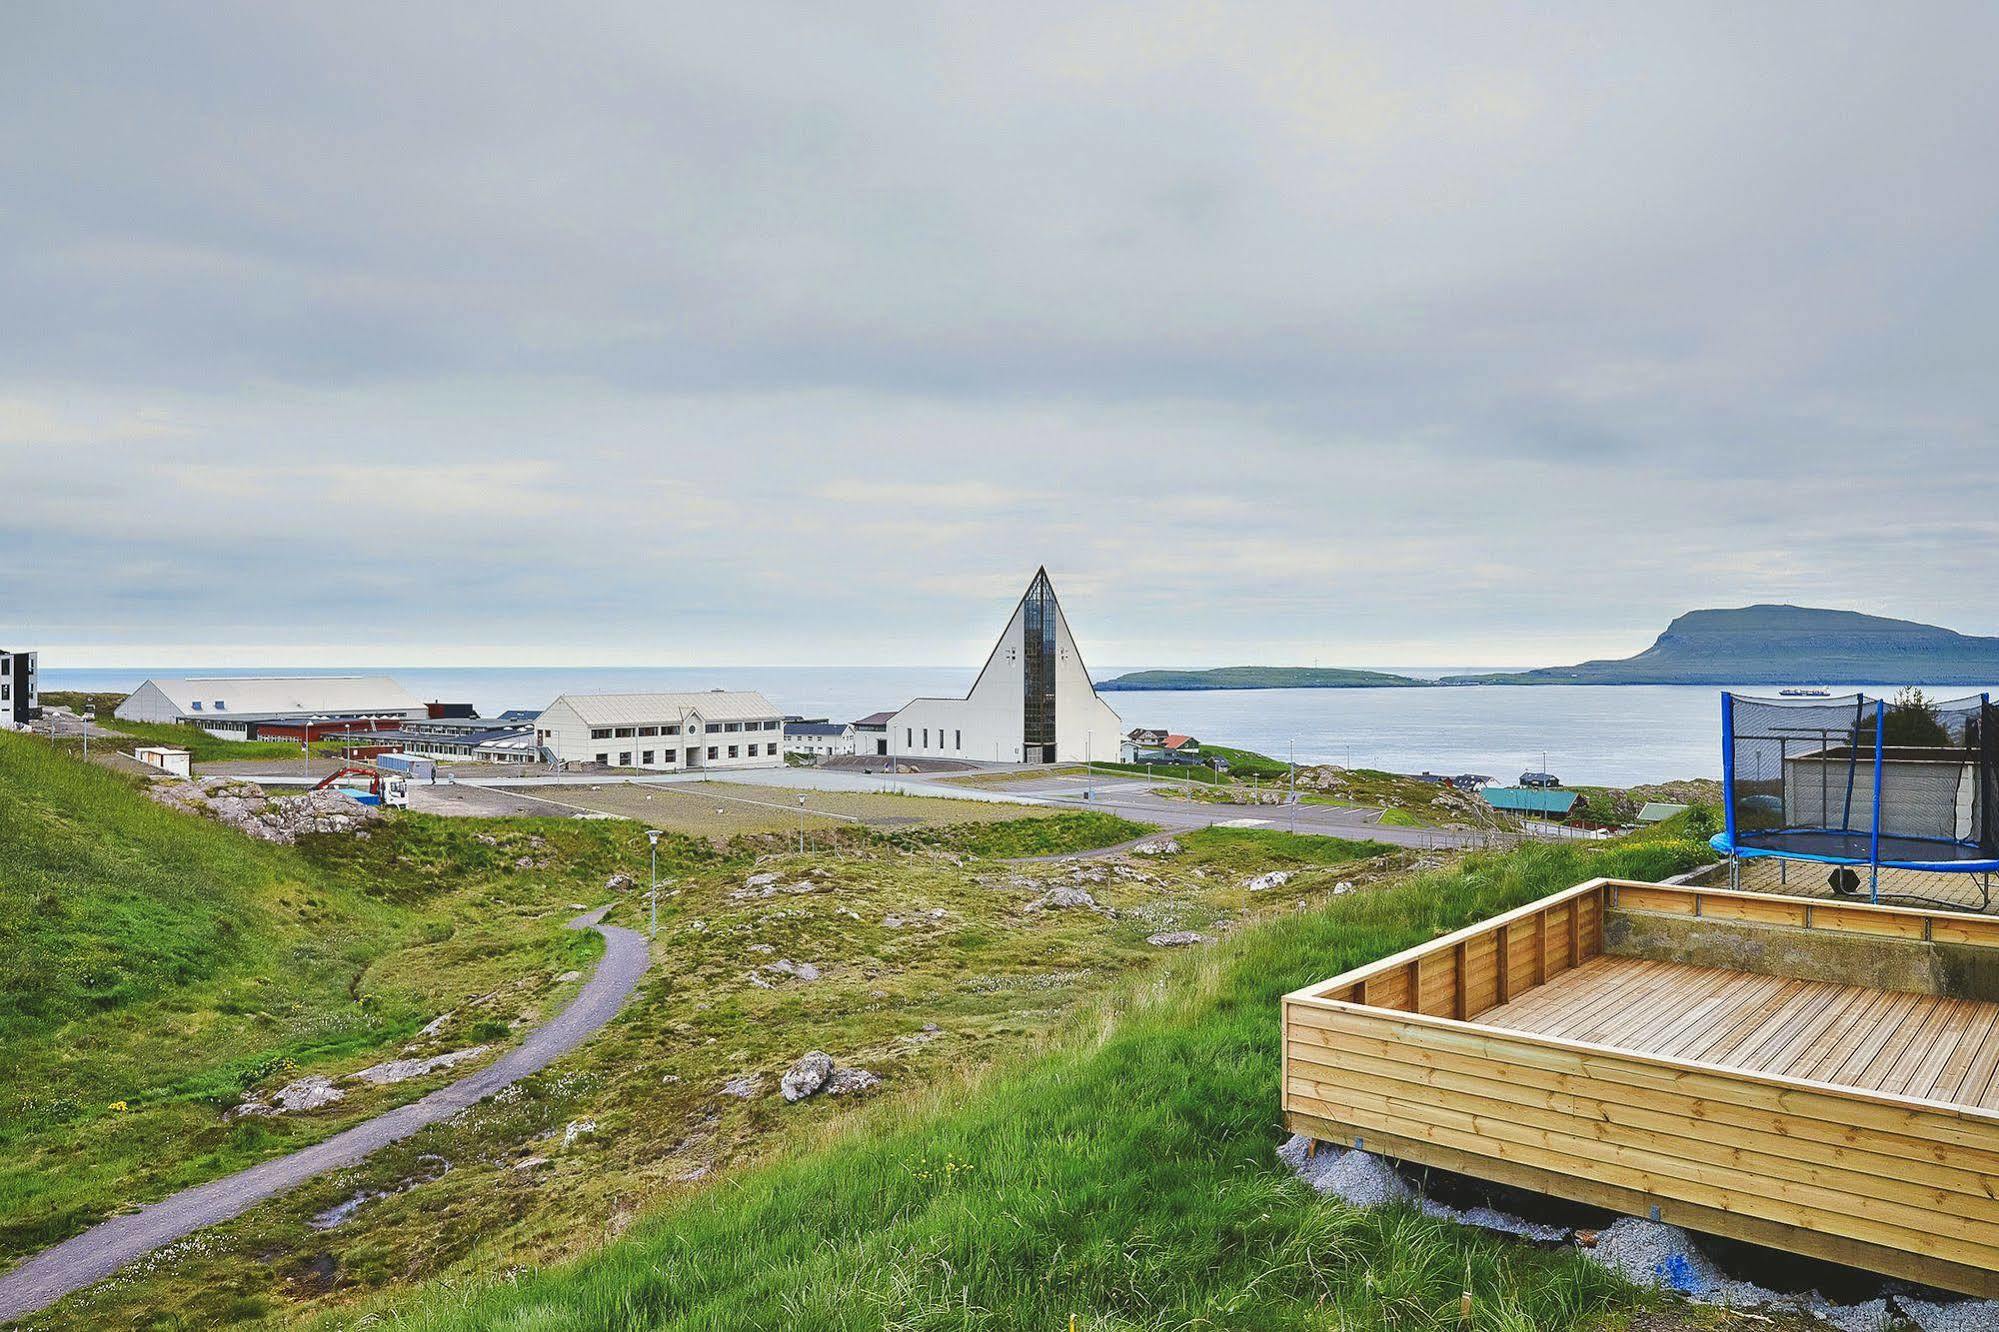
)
(1032, 703)
(719, 729)
(231, 706)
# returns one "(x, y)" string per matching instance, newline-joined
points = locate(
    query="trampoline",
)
(1862, 784)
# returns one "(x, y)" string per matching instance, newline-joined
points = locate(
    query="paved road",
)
(103, 1249)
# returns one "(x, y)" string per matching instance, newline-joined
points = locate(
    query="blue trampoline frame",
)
(1728, 843)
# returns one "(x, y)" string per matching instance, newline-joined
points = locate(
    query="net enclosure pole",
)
(1728, 769)
(1874, 846)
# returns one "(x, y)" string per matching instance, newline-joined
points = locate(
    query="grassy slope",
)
(1126, 1176)
(169, 964)
(164, 962)
(205, 748)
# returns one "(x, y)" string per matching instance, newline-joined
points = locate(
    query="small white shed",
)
(173, 761)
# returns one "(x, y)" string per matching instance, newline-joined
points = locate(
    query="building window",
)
(908, 738)
(1037, 677)
(733, 726)
(957, 739)
(711, 751)
(196, 705)
(625, 758)
(600, 733)
(666, 757)
(648, 730)
(669, 730)
(646, 758)
(713, 728)
(604, 759)
(926, 737)
(733, 751)
(624, 733)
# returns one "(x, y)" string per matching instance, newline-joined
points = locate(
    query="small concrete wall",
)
(1957, 971)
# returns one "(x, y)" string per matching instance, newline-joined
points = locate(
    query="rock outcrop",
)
(248, 808)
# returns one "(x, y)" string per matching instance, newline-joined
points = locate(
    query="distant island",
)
(1782, 645)
(1263, 677)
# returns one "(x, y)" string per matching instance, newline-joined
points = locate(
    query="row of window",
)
(668, 756)
(643, 732)
(909, 738)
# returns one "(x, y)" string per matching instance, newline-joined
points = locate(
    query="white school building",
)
(719, 729)
(1033, 701)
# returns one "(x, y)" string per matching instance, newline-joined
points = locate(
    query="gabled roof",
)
(286, 695)
(876, 719)
(1176, 741)
(1527, 800)
(1658, 811)
(816, 728)
(627, 709)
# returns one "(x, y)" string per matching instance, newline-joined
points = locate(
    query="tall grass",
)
(1124, 1175)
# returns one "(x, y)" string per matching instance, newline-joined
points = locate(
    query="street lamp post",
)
(801, 825)
(1291, 795)
(305, 749)
(89, 716)
(652, 894)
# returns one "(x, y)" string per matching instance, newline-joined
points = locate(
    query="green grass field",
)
(205, 748)
(1071, 1120)
(154, 966)
(1122, 1175)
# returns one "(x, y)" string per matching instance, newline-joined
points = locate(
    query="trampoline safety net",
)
(1855, 780)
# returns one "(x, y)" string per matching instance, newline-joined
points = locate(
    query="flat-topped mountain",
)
(1262, 677)
(1792, 645)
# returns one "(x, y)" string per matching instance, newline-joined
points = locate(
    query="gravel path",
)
(103, 1249)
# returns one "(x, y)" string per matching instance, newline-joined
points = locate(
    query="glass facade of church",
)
(1037, 737)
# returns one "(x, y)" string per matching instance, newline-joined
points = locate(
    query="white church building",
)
(1032, 703)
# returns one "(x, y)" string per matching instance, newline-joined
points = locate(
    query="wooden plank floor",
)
(1883, 1040)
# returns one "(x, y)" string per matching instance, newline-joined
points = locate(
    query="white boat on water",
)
(1812, 692)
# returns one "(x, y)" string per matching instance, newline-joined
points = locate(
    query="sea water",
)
(1618, 735)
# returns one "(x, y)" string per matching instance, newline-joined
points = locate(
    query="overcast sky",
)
(727, 334)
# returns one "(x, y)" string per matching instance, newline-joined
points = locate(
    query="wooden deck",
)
(1607, 1044)
(1922, 1046)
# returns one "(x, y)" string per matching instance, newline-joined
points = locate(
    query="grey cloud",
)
(1694, 300)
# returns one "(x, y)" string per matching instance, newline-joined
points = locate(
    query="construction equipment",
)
(368, 787)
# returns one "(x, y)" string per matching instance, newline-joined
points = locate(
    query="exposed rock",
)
(816, 1073)
(1274, 879)
(1061, 898)
(485, 839)
(1160, 846)
(526, 862)
(807, 1077)
(620, 883)
(532, 1163)
(246, 807)
(743, 1086)
(1343, 886)
(848, 1080)
(402, 1070)
(804, 971)
(568, 976)
(435, 1025)
(1177, 939)
(578, 1128)
(430, 1168)
(761, 880)
(307, 1093)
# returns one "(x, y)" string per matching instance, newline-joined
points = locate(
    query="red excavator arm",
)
(374, 779)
